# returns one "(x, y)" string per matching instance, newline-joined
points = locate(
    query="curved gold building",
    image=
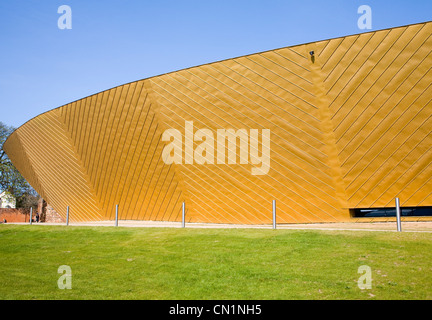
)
(321, 128)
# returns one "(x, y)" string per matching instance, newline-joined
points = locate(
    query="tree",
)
(10, 178)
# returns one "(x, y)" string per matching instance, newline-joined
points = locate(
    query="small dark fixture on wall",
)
(312, 53)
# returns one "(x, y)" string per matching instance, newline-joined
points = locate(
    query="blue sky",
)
(114, 42)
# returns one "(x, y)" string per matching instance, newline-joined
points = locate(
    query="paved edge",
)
(421, 226)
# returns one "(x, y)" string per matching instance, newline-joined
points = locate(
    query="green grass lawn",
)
(171, 263)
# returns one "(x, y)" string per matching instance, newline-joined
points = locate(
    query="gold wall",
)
(350, 128)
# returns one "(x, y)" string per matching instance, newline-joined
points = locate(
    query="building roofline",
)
(217, 61)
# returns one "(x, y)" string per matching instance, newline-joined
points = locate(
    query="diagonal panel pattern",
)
(57, 167)
(252, 92)
(379, 89)
(119, 143)
(348, 127)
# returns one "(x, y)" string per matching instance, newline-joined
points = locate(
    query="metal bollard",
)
(116, 216)
(274, 214)
(398, 215)
(183, 214)
(67, 215)
(31, 215)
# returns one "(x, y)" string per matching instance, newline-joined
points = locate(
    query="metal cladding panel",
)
(243, 94)
(349, 127)
(48, 160)
(379, 91)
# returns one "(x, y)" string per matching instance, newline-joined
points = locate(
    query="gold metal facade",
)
(350, 127)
